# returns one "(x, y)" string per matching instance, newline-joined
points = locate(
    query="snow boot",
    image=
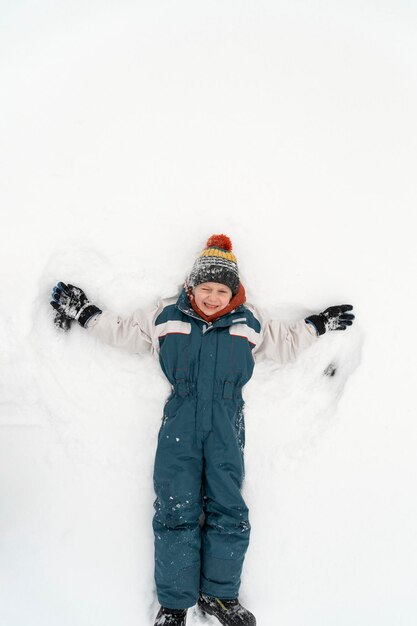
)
(171, 617)
(228, 612)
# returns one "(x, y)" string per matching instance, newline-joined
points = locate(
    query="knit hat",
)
(216, 264)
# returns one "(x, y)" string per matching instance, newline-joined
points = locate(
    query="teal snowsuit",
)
(199, 458)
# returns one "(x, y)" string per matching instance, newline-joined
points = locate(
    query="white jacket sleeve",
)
(134, 333)
(280, 341)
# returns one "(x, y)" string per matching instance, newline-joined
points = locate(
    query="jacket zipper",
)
(207, 326)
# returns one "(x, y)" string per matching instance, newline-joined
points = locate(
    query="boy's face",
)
(212, 297)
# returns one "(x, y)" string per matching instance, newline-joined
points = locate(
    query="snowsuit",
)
(199, 458)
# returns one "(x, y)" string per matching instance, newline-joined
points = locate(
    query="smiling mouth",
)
(211, 306)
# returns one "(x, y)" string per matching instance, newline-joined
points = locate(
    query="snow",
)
(131, 132)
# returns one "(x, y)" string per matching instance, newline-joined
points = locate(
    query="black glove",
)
(333, 318)
(61, 320)
(71, 303)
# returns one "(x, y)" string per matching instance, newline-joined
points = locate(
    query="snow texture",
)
(130, 132)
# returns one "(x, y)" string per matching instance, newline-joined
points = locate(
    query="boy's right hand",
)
(71, 303)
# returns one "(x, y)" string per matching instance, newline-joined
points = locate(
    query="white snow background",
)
(130, 132)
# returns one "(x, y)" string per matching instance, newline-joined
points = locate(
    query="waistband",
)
(222, 389)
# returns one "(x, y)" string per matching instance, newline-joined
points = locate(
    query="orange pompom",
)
(219, 241)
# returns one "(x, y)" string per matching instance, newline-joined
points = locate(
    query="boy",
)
(207, 340)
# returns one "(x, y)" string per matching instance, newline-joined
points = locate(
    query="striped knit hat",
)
(216, 264)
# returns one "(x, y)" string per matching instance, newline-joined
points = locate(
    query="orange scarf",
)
(238, 299)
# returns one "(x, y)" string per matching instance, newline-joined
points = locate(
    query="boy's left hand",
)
(333, 318)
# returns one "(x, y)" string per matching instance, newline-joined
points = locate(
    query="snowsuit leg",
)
(225, 535)
(178, 481)
(187, 558)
